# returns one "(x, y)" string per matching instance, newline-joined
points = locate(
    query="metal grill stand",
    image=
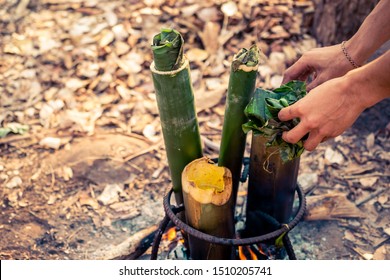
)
(283, 229)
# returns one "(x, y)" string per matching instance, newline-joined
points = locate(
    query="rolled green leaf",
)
(262, 112)
(175, 101)
(242, 83)
(168, 50)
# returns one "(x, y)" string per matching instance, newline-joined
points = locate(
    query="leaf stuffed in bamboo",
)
(241, 86)
(274, 163)
(262, 112)
(175, 100)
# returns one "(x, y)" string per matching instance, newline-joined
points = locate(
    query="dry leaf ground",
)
(91, 169)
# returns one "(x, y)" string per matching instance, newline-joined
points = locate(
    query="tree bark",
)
(337, 20)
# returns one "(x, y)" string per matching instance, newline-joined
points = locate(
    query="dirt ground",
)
(84, 168)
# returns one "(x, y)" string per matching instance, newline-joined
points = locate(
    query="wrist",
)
(358, 52)
(361, 88)
(348, 56)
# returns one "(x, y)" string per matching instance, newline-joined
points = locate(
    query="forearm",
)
(371, 82)
(373, 33)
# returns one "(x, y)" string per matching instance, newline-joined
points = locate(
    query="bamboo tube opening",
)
(207, 190)
(207, 182)
(185, 64)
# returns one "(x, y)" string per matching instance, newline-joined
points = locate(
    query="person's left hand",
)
(320, 64)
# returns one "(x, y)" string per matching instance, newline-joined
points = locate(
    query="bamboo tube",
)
(207, 189)
(175, 100)
(271, 187)
(241, 86)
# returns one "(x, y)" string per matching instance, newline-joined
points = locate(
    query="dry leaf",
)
(14, 182)
(213, 83)
(308, 181)
(51, 142)
(355, 169)
(149, 132)
(20, 45)
(120, 32)
(370, 141)
(265, 70)
(208, 99)
(65, 172)
(80, 121)
(21, 9)
(368, 256)
(189, 10)
(331, 206)
(209, 37)
(196, 54)
(86, 200)
(87, 69)
(209, 14)
(126, 206)
(124, 92)
(74, 84)
(279, 33)
(368, 181)
(382, 253)
(110, 194)
(382, 199)
(333, 156)
(348, 235)
(106, 38)
(276, 81)
(52, 199)
(131, 63)
(229, 8)
(277, 62)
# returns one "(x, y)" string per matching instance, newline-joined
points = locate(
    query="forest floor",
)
(82, 160)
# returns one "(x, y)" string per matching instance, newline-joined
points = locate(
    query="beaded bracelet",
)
(348, 56)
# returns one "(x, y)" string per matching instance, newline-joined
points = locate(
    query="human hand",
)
(325, 112)
(320, 64)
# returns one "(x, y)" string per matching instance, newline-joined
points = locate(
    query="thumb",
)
(300, 70)
(316, 82)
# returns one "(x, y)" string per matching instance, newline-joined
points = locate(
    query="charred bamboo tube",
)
(175, 101)
(207, 189)
(241, 86)
(271, 187)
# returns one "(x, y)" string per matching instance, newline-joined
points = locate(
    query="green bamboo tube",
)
(175, 101)
(207, 190)
(271, 187)
(241, 87)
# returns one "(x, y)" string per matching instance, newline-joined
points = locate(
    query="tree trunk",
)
(337, 20)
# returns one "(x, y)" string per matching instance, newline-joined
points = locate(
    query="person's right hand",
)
(321, 64)
(325, 112)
